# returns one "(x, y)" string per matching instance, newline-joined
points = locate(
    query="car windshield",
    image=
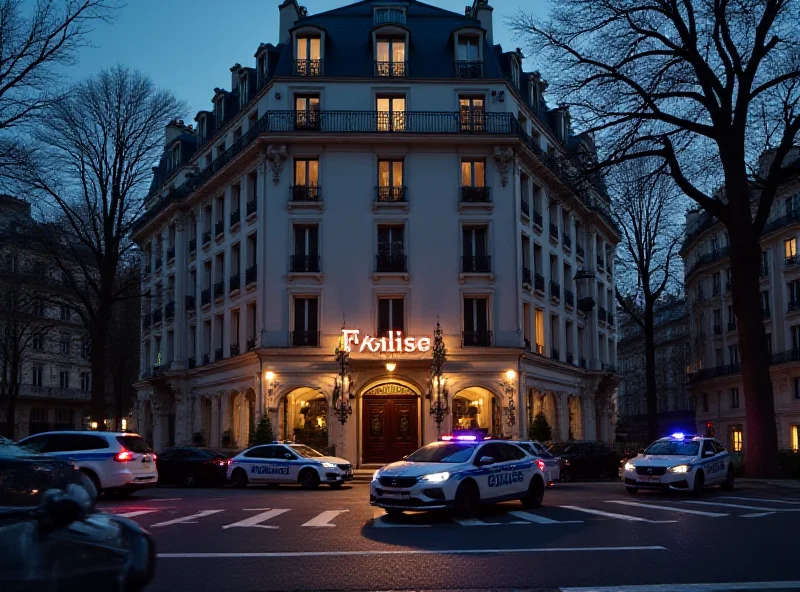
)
(562, 448)
(305, 451)
(442, 452)
(674, 448)
(134, 444)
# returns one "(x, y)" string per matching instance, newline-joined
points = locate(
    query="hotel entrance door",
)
(389, 424)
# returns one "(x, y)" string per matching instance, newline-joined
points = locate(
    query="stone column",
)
(562, 413)
(215, 435)
(589, 414)
(181, 347)
(225, 414)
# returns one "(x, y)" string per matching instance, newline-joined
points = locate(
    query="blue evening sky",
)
(189, 46)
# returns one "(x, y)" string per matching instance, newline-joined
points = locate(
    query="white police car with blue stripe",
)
(460, 472)
(278, 463)
(681, 463)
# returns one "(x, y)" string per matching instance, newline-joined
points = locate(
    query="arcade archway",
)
(303, 418)
(477, 409)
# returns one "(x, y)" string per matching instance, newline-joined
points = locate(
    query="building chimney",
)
(289, 13)
(483, 12)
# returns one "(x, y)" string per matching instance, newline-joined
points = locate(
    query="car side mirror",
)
(485, 460)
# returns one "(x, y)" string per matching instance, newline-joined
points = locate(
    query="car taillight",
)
(540, 464)
(154, 456)
(123, 456)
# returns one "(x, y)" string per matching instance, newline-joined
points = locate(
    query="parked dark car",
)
(190, 466)
(585, 460)
(53, 538)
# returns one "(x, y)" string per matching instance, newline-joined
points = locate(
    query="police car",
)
(118, 463)
(288, 463)
(459, 472)
(681, 463)
(550, 465)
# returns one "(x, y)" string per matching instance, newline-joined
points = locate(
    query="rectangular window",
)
(795, 438)
(306, 322)
(390, 180)
(391, 113)
(64, 341)
(306, 249)
(734, 398)
(790, 250)
(797, 388)
(390, 57)
(309, 56)
(391, 315)
(473, 173)
(244, 90)
(472, 112)
(765, 310)
(391, 249)
(768, 338)
(468, 49)
(718, 359)
(65, 312)
(733, 354)
(37, 376)
(475, 251)
(63, 379)
(731, 319)
(306, 173)
(795, 334)
(538, 320)
(219, 113)
(737, 438)
(476, 322)
(306, 108)
(37, 341)
(86, 385)
(794, 294)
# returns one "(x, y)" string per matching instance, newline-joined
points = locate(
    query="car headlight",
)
(680, 469)
(329, 465)
(435, 477)
(375, 475)
(629, 467)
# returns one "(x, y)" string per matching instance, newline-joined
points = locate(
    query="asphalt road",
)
(585, 535)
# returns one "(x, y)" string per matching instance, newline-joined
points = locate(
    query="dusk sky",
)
(189, 46)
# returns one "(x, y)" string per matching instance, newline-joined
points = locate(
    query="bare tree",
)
(96, 151)
(36, 40)
(704, 86)
(646, 207)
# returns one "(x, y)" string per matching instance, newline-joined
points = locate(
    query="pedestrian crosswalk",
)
(162, 517)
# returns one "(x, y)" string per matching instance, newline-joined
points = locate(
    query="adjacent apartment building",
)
(385, 167)
(41, 335)
(675, 407)
(715, 379)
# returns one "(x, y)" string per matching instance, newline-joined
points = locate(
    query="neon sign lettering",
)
(393, 343)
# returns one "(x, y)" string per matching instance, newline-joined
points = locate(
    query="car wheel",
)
(239, 478)
(94, 479)
(699, 483)
(631, 490)
(309, 479)
(190, 480)
(727, 485)
(468, 500)
(337, 485)
(535, 494)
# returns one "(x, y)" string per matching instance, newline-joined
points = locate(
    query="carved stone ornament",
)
(503, 157)
(276, 155)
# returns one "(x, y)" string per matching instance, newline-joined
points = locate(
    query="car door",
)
(516, 470)
(286, 464)
(259, 460)
(713, 464)
(727, 460)
(484, 475)
(166, 465)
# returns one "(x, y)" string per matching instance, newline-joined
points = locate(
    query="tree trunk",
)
(99, 331)
(11, 411)
(650, 370)
(761, 435)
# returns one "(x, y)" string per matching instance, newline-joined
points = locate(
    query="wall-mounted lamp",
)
(390, 366)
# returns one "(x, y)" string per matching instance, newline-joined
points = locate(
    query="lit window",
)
(736, 438)
(309, 56)
(790, 249)
(391, 113)
(795, 438)
(390, 57)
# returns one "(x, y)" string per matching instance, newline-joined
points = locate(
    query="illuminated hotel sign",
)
(393, 343)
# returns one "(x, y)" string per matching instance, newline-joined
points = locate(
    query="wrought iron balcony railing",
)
(251, 274)
(304, 264)
(218, 354)
(537, 219)
(569, 298)
(391, 263)
(306, 192)
(476, 264)
(219, 289)
(555, 290)
(206, 237)
(235, 218)
(469, 69)
(390, 194)
(252, 206)
(251, 343)
(554, 230)
(471, 194)
(308, 67)
(538, 283)
(234, 349)
(477, 338)
(219, 227)
(304, 338)
(391, 69)
(525, 207)
(234, 282)
(527, 276)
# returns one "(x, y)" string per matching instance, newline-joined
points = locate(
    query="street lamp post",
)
(439, 408)
(343, 388)
(509, 384)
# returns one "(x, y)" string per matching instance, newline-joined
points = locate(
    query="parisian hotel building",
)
(384, 167)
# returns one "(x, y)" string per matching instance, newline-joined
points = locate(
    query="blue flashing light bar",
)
(679, 435)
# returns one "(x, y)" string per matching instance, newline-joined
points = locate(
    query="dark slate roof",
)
(348, 48)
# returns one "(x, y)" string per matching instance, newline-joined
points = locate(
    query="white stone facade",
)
(473, 228)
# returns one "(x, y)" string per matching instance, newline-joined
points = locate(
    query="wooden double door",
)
(389, 425)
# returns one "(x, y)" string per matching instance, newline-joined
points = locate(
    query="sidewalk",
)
(778, 483)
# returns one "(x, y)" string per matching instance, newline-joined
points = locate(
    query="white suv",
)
(117, 463)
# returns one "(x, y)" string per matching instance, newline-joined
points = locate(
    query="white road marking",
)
(617, 516)
(403, 552)
(324, 519)
(165, 499)
(254, 521)
(741, 506)
(136, 513)
(188, 519)
(667, 508)
(691, 587)
(473, 522)
(529, 517)
(762, 499)
(757, 515)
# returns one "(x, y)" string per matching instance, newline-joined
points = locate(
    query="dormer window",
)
(219, 109)
(468, 57)
(515, 73)
(390, 54)
(202, 128)
(261, 64)
(244, 90)
(309, 56)
(389, 15)
(534, 97)
(175, 157)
